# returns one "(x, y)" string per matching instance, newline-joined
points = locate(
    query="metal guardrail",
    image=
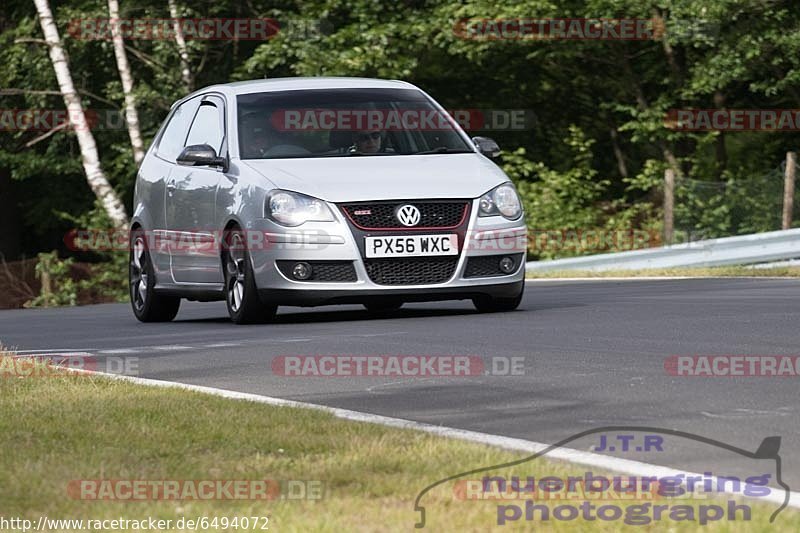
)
(740, 250)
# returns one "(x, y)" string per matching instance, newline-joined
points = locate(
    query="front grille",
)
(381, 215)
(330, 271)
(411, 271)
(488, 265)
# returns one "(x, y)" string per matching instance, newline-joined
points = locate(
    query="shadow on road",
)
(310, 317)
(299, 315)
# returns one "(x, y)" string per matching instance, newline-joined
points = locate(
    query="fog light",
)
(507, 265)
(301, 271)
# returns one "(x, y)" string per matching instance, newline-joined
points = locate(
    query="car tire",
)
(383, 306)
(241, 294)
(488, 304)
(147, 304)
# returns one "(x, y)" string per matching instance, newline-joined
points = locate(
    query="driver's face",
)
(368, 142)
(260, 141)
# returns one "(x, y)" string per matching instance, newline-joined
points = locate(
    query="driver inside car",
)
(259, 136)
(260, 141)
(367, 142)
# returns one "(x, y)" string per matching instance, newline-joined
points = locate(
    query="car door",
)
(190, 201)
(170, 144)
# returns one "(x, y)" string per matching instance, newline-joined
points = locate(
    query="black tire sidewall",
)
(252, 310)
(156, 308)
(488, 304)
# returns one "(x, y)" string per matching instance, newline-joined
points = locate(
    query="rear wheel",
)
(488, 304)
(148, 305)
(241, 293)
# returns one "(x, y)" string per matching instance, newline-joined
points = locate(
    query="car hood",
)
(357, 178)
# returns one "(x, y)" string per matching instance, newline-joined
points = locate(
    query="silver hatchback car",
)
(313, 191)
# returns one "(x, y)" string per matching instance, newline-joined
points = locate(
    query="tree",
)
(131, 114)
(89, 155)
(183, 51)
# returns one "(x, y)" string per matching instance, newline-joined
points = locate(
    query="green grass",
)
(709, 272)
(62, 428)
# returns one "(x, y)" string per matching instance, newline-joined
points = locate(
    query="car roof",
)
(290, 84)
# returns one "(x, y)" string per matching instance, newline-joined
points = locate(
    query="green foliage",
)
(58, 287)
(559, 200)
(108, 278)
(109, 281)
(565, 199)
(593, 159)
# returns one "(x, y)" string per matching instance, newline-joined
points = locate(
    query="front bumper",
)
(339, 241)
(327, 296)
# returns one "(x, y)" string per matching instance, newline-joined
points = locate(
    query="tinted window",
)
(172, 140)
(207, 126)
(344, 122)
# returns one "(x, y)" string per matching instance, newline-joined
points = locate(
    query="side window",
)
(207, 127)
(171, 143)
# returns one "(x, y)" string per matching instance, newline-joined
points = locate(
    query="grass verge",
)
(59, 428)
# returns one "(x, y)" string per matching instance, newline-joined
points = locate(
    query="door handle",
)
(171, 186)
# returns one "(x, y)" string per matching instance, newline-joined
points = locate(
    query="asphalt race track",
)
(593, 356)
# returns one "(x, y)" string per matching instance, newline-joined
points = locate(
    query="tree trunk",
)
(719, 144)
(90, 158)
(618, 154)
(669, 206)
(788, 190)
(131, 115)
(677, 70)
(186, 72)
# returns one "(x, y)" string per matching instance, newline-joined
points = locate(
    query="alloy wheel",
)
(138, 276)
(235, 269)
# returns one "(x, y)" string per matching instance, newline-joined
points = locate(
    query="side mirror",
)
(199, 155)
(487, 146)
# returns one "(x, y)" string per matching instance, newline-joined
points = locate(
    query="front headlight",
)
(292, 209)
(502, 200)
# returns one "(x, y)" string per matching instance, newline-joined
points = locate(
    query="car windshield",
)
(344, 123)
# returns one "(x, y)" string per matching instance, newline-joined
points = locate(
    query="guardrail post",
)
(669, 206)
(788, 189)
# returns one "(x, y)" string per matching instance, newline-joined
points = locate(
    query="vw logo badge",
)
(408, 215)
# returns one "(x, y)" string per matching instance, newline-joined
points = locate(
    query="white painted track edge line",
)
(613, 464)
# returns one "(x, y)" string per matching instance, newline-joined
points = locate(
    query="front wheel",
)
(147, 304)
(241, 293)
(488, 304)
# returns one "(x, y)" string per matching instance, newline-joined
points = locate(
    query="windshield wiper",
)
(444, 150)
(342, 154)
(357, 153)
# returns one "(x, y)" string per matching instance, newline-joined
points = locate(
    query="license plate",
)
(411, 246)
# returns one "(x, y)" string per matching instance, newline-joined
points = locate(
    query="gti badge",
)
(408, 215)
